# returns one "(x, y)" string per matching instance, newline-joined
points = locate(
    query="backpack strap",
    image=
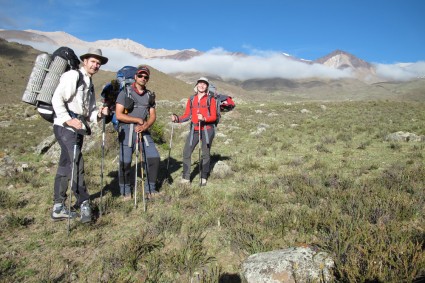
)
(80, 81)
(87, 130)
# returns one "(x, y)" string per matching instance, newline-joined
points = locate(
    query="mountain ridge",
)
(338, 59)
(16, 63)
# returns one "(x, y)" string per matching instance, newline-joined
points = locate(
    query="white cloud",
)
(401, 71)
(267, 65)
(262, 64)
(218, 62)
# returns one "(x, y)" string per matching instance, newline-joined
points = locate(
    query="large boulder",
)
(296, 264)
(401, 136)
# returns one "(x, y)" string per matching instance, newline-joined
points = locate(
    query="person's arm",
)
(186, 115)
(148, 123)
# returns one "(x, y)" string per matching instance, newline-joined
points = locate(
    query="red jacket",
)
(202, 108)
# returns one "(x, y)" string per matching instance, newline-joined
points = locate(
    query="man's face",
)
(142, 78)
(92, 65)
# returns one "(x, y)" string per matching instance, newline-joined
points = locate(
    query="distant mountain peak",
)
(340, 59)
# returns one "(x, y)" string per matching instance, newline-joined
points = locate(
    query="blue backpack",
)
(124, 79)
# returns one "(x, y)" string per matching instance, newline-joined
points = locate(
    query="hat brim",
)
(103, 60)
(143, 71)
(208, 84)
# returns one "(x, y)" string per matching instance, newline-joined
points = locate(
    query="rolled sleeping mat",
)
(56, 69)
(35, 82)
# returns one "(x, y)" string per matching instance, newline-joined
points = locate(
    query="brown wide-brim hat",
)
(96, 53)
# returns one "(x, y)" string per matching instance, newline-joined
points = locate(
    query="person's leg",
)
(152, 158)
(125, 157)
(206, 153)
(79, 185)
(74, 142)
(187, 154)
(63, 173)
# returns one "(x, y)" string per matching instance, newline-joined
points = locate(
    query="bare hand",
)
(141, 128)
(75, 123)
(201, 118)
(105, 111)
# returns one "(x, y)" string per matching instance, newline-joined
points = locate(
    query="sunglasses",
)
(143, 76)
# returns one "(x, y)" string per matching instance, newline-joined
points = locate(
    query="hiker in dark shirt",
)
(74, 107)
(201, 110)
(133, 122)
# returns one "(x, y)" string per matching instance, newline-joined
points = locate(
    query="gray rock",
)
(404, 137)
(296, 264)
(221, 169)
(45, 145)
(5, 124)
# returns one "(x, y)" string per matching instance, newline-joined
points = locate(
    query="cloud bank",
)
(260, 65)
(273, 65)
(401, 71)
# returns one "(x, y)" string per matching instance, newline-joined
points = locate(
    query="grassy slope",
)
(315, 179)
(326, 178)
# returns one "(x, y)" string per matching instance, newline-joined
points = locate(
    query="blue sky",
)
(383, 32)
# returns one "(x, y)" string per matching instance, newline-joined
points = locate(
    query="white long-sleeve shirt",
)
(81, 101)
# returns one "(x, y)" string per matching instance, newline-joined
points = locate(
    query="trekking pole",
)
(71, 182)
(102, 164)
(169, 150)
(200, 149)
(143, 174)
(135, 174)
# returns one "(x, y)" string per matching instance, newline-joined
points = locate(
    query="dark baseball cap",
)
(143, 69)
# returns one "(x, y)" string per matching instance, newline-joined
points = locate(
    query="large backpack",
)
(223, 102)
(45, 77)
(123, 81)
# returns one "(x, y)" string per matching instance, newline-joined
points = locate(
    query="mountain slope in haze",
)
(17, 61)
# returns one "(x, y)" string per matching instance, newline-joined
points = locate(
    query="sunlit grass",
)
(326, 178)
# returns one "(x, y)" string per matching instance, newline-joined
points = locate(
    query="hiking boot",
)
(184, 181)
(60, 212)
(203, 182)
(85, 211)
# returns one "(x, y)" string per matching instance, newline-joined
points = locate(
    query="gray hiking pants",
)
(151, 159)
(67, 139)
(206, 149)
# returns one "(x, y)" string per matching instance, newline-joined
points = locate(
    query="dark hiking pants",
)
(206, 149)
(67, 139)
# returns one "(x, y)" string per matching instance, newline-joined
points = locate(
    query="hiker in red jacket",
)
(201, 110)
